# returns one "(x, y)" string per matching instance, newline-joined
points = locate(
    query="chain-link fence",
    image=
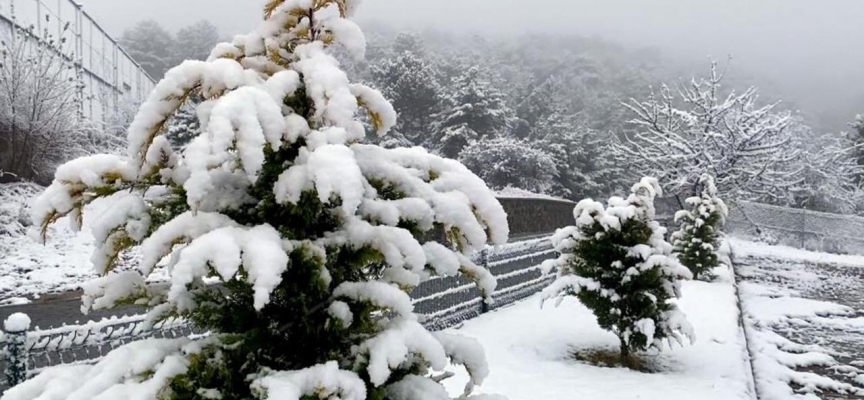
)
(804, 229)
(110, 76)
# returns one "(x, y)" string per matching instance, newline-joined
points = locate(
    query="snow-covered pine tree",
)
(184, 125)
(508, 162)
(151, 46)
(698, 238)
(617, 263)
(313, 238)
(195, 41)
(474, 110)
(581, 155)
(542, 101)
(410, 82)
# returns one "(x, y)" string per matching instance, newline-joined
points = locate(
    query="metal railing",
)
(110, 75)
(441, 303)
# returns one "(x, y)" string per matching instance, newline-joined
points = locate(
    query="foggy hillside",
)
(805, 50)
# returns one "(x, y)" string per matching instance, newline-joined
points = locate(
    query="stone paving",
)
(842, 336)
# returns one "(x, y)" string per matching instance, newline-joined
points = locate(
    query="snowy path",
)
(529, 352)
(805, 312)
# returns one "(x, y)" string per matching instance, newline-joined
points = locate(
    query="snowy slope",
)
(529, 349)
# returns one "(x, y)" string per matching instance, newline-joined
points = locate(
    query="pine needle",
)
(271, 6)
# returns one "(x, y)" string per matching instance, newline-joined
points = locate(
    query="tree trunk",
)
(625, 352)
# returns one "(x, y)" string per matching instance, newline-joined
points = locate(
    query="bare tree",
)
(830, 173)
(41, 93)
(683, 133)
(39, 101)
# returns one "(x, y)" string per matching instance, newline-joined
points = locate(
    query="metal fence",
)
(811, 230)
(441, 303)
(110, 75)
(445, 302)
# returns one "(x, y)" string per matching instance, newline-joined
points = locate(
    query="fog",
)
(810, 52)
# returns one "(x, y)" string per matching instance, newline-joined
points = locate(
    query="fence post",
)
(16, 327)
(484, 260)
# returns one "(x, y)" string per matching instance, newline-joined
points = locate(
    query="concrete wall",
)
(536, 216)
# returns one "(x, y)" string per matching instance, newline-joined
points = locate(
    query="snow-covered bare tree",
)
(151, 46)
(314, 237)
(508, 162)
(680, 134)
(616, 261)
(698, 238)
(474, 110)
(827, 173)
(855, 137)
(40, 103)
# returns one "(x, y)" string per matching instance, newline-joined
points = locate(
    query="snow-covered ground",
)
(27, 267)
(529, 351)
(804, 315)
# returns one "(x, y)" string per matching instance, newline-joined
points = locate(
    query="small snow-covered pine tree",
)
(697, 240)
(313, 238)
(617, 263)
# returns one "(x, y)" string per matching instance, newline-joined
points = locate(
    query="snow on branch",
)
(313, 237)
(679, 134)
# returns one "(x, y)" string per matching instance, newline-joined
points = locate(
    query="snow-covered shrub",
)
(698, 238)
(504, 162)
(616, 262)
(313, 238)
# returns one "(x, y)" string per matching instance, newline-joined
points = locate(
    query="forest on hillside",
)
(559, 115)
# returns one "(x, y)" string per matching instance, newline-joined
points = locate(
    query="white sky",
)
(812, 49)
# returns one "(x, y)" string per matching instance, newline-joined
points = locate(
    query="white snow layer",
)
(136, 371)
(531, 352)
(17, 322)
(777, 361)
(243, 116)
